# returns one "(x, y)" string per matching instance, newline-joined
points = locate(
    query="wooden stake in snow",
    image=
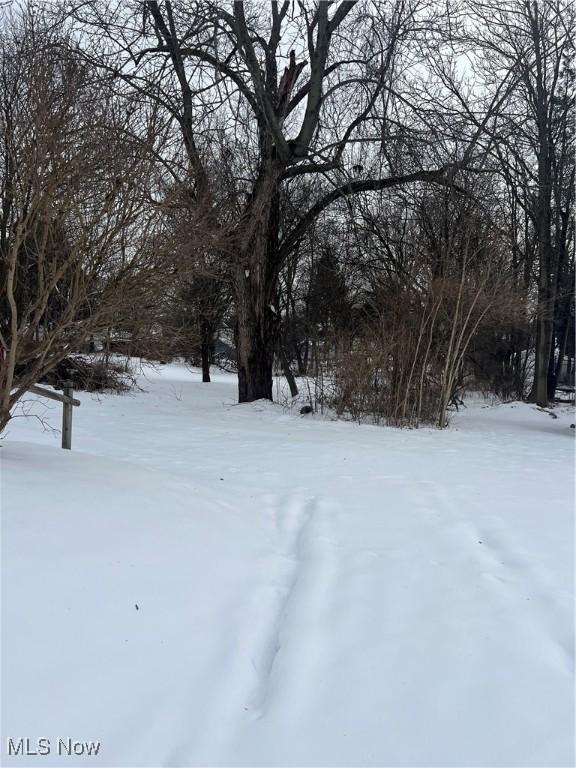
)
(68, 402)
(67, 417)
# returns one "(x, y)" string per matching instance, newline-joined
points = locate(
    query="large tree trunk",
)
(255, 351)
(546, 275)
(256, 278)
(544, 338)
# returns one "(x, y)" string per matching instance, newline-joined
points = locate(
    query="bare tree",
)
(534, 144)
(303, 91)
(76, 233)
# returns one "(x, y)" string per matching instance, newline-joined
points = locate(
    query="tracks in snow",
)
(286, 613)
(513, 579)
(284, 619)
(270, 605)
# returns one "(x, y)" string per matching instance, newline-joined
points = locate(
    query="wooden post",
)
(67, 403)
(67, 416)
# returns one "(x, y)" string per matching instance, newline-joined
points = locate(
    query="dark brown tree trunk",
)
(288, 371)
(552, 371)
(256, 278)
(303, 367)
(255, 350)
(206, 349)
(544, 337)
(546, 274)
(5, 417)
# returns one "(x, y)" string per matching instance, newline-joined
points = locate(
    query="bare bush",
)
(404, 359)
(90, 374)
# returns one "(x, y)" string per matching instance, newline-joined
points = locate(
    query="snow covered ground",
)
(202, 583)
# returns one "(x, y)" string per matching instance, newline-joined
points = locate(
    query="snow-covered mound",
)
(202, 583)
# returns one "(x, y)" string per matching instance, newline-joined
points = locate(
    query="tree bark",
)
(547, 261)
(255, 344)
(256, 278)
(544, 339)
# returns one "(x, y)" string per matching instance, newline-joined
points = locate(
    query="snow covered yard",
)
(202, 583)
